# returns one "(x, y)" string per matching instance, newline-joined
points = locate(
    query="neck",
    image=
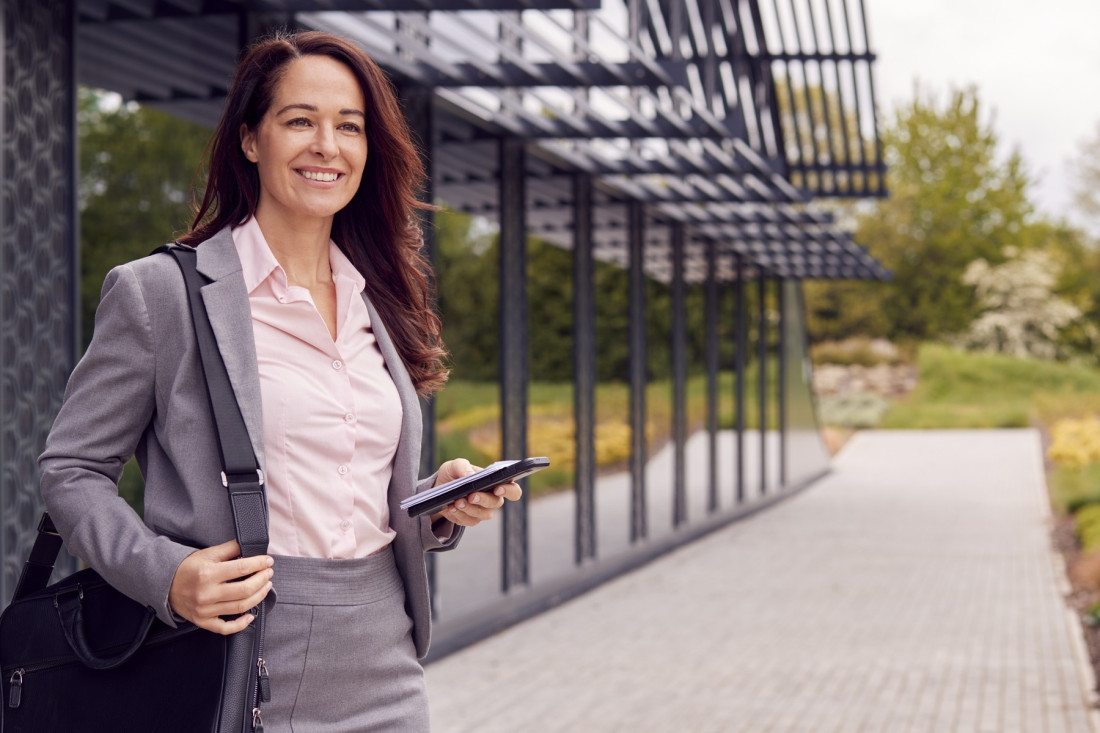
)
(300, 247)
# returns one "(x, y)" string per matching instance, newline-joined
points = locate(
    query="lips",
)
(323, 176)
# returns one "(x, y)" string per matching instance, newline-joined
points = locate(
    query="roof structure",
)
(727, 116)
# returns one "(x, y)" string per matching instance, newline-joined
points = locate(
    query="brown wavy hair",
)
(378, 230)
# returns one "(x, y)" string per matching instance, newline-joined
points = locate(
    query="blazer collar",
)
(226, 302)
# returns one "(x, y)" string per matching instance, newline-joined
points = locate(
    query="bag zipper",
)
(262, 693)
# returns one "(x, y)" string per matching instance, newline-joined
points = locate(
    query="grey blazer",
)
(139, 390)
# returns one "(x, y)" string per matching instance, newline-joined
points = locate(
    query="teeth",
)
(319, 176)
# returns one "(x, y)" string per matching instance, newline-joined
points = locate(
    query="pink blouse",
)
(331, 412)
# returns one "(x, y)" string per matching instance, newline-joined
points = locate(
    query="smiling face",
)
(310, 148)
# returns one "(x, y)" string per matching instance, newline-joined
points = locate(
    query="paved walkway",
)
(912, 590)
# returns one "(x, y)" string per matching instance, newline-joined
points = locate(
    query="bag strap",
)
(39, 566)
(241, 474)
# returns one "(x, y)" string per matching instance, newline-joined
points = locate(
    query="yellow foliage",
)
(552, 435)
(1075, 442)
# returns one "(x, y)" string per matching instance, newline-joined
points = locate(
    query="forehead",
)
(319, 81)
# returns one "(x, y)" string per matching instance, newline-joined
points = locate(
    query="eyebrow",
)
(313, 108)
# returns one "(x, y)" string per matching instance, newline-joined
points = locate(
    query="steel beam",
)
(679, 376)
(711, 330)
(513, 350)
(416, 103)
(637, 341)
(741, 326)
(781, 304)
(584, 369)
(762, 358)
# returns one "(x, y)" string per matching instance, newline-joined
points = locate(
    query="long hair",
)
(378, 230)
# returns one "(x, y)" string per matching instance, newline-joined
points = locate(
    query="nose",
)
(324, 142)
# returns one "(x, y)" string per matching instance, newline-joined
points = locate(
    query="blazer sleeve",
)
(108, 406)
(428, 538)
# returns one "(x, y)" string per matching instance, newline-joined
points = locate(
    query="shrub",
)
(1088, 527)
(1075, 442)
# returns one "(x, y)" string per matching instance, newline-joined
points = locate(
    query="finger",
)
(474, 512)
(485, 500)
(241, 567)
(238, 606)
(459, 517)
(511, 492)
(230, 592)
(221, 553)
(227, 628)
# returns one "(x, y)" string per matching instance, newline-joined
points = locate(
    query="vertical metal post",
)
(679, 376)
(584, 368)
(40, 271)
(762, 347)
(416, 102)
(710, 311)
(635, 212)
(739, 370)
(513, 348)
(781, 304)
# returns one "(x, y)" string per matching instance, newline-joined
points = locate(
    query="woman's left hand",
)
(477, 507)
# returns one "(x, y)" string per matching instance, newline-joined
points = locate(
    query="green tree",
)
(1086, 180)
(137, 165)
(953, 199)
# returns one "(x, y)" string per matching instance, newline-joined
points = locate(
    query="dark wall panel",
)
(38, 255)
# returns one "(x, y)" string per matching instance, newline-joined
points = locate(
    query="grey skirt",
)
(339, 649)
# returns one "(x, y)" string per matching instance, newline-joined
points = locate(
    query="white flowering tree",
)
(1020, 314)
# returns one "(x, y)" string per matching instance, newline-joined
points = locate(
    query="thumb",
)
(224, 552)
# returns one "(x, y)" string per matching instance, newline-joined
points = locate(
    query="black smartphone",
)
(495, 474)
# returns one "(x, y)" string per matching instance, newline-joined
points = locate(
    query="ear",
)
(248, 143)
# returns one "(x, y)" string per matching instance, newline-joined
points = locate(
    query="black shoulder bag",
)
(79, 655)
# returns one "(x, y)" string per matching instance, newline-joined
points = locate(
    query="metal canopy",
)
(727, 116)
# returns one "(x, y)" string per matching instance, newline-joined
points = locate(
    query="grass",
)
(959, 389)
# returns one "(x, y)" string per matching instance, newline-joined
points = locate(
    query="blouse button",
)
(349, 418)
(345, 526)
(342, 470)
(337, 365)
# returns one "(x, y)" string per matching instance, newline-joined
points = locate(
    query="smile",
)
(319, 176)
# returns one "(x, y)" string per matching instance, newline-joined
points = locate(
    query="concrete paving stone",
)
(913, 589)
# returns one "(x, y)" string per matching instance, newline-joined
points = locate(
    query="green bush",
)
(1088, 526)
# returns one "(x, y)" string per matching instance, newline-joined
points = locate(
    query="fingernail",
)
(269, 561)
(499, 491)
(460, 504)
(475, 499)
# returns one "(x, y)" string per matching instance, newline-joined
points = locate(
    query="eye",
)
(298, 122)
(351, 127)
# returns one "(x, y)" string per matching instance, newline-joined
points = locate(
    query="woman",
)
(322, 311)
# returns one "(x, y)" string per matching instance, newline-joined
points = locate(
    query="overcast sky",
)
(1036, 66)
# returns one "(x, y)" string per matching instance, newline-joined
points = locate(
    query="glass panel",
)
(468, 408)
(806, 453)
(660, 453)
(550, 427)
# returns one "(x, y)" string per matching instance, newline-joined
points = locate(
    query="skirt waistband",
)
(316, 581)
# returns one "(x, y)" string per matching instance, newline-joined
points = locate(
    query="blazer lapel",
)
(226, 302)
(407, 460)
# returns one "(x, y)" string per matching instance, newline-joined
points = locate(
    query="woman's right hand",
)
(218, 582)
